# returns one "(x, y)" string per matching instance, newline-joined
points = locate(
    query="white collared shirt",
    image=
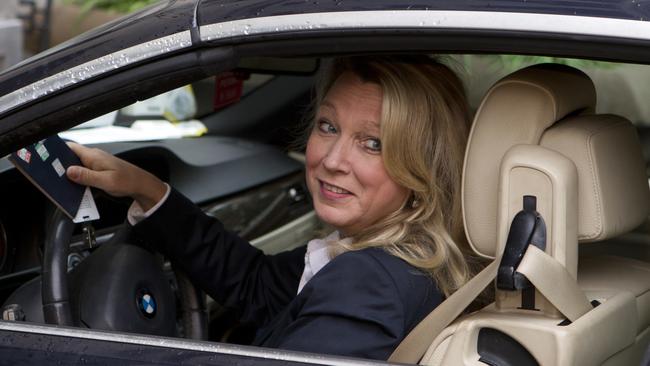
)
(316, 257)
(136, 214)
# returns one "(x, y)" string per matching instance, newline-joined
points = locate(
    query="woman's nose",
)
(337, 158)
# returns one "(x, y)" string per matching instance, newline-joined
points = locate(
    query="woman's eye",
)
(372, 144)
(326, 127)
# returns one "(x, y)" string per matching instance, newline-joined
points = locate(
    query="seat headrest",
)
(613, 193)
(518, 110)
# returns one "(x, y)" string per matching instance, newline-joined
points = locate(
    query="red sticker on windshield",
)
(228, 89)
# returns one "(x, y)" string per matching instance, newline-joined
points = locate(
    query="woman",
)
(383, 166)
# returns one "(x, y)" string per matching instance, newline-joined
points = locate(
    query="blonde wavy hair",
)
(423, 131)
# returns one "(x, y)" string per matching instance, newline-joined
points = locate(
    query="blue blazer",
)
(361, 304)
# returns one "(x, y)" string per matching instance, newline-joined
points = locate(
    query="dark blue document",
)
(44, 164)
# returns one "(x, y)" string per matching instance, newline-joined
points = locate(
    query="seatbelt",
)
(416, 343)
(553, 281)
(549, 277)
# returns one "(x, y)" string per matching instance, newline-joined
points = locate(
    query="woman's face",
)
(345, 171)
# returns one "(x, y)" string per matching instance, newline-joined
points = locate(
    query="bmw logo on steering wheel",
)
(146, 303)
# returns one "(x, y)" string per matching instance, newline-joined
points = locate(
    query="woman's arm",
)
(227, 267)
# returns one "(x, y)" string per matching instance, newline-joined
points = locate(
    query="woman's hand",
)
(115, 176)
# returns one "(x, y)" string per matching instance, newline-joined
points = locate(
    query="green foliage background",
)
(122, 6)
(515, 62)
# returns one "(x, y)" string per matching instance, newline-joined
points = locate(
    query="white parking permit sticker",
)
(58, 167)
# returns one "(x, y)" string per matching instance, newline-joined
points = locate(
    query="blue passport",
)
(44, 164)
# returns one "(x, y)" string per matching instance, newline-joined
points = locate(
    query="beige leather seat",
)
(536, 133)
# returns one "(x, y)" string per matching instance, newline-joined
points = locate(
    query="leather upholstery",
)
(601, 277)
(536, 133)
(613, 188)
(523, 109)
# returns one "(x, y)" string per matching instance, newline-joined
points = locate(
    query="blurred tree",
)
(121, 6)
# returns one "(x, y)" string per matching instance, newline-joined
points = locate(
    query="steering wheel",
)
(120, 286)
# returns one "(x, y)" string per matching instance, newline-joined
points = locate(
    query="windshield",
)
(621, 89)
(170, 115)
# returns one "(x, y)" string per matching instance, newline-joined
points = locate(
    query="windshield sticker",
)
(228, 89)
(180, 104)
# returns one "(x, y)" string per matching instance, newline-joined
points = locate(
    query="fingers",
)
(73, 146)
(111, 174)
(96, 170)
(89, 157)
(79, 150)
(87, 177)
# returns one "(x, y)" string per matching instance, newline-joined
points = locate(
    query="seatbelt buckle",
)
(527, 228)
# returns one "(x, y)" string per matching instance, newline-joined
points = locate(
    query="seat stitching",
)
(596, 182)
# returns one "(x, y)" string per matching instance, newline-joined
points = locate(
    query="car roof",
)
(213, 11)
(185, 18)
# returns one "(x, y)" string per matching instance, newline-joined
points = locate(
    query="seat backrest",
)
(536, 133)
(525, 108)
(516, 110)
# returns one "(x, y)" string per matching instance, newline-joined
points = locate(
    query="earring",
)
(415, 203)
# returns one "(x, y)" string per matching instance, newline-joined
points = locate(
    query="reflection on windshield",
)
(165, 116)
(173, 114)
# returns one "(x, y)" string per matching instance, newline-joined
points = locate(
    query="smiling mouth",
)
(334, 189)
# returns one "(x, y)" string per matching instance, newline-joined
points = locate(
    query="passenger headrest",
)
(518, 110)
(613, 194)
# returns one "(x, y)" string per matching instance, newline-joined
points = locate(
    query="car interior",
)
(573, 153)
